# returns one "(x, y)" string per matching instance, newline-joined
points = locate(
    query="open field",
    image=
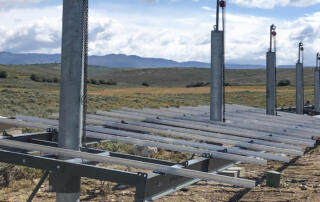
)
(20, 95)
(160, 77)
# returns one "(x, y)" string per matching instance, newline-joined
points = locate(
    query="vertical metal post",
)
(217, 15)
(271, 75)
(299, 89)
(300, 82)
(317, 85)
(71, 91)
(217, 68)
(271, 83)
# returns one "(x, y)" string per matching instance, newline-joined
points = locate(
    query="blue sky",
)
(172, 29)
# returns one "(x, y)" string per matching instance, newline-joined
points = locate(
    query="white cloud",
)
(5, 4)
(179, 38)
(206, 8)
(34, 30)
(267, 4)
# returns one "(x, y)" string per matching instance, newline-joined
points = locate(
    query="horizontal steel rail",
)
(245, 123)
(196, 134)
(204, 134)
(210, 128)
(77, 169)
(130, 163)
(277, 125)
(180, 142)
(200, 145)
(184, 149)
(251, 116)
(238, 127)
(137, 138)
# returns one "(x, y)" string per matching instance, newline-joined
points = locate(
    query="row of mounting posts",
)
(317, 84)
(300, 81)
(217, 107)
(271, 74)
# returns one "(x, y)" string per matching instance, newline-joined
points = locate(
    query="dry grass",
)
(180, 90)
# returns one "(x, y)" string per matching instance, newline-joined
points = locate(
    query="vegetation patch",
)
(37, 78)
(145, 84)
(3, 75)
(198, 84)
(109, 82)
(285, 82)
(102, 82)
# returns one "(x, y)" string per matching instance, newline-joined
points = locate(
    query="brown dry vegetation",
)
(180, 90)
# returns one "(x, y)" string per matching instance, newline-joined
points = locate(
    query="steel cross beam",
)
(178, 171)
(150, 187)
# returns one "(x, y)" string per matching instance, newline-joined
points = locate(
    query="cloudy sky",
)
(172, 29)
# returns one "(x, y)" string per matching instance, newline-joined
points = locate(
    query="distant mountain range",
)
(111, 60)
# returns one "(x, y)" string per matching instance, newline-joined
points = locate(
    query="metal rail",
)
(176, 141)
(195, 134)
(167, 143)
(296, 128)
(194, 124)
(131, 163)
(260, 124)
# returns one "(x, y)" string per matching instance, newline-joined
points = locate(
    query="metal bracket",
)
(223, 150)
(207, 155)
(144, 175)
(301, 49)
(36, 189)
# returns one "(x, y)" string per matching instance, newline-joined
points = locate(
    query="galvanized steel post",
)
(71, 91)
(317, 85)
(217, 68)
(271, 107)
(300, 82)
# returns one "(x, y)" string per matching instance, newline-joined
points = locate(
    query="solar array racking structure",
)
(220, 135)
(248, 136)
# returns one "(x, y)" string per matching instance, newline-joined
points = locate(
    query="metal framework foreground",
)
(248, 135)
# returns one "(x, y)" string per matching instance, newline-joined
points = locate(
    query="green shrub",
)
(56, 80)
(146, 84)
(3, 75)
(94, 81)
(110, 82)
(284, 83)
(198, 84)
(35, 78)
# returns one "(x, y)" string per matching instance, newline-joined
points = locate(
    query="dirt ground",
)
(300, 182)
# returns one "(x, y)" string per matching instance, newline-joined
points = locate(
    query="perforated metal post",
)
(300, 82)
(71, 93)
(217, 109)
(317, 85)
(271, 74)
